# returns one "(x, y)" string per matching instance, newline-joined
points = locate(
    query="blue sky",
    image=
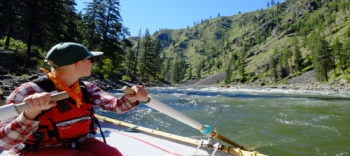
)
(176, 14)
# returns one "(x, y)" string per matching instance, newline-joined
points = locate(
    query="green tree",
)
(274, 65)
(178, 71)
(131, 62)
(228, 73)
(241, 66)
(166, 69)
(157, 62)
(89, 25)
(8, 16)
(145, 59)
(345, 56)
(110, 30)
(321, 53)
(190, 72)
(298, 59)
(284, 63)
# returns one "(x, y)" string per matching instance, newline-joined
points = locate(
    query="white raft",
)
(133, 140)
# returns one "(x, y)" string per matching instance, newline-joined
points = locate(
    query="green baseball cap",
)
(67, 53)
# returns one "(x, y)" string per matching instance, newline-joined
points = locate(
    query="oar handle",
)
(54, 97)
(11, 110)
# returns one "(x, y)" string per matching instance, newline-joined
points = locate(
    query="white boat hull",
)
(132, 140)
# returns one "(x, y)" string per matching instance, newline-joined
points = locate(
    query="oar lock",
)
(206, 130)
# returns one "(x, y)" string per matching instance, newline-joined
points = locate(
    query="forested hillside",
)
(31, 28)
(271, 45)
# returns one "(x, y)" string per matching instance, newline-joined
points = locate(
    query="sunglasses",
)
(91, 59)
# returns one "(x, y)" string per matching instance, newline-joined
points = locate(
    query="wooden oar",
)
(204, 129)
(12, 110)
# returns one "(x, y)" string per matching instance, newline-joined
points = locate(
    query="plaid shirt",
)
(14, 131)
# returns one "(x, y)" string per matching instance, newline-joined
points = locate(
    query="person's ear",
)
(77, 65)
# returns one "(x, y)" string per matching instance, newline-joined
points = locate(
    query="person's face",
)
(84, 67)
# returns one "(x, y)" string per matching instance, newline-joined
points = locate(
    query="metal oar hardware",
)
(12, 110)
(204, 129)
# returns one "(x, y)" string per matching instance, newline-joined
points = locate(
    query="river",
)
(273, 122)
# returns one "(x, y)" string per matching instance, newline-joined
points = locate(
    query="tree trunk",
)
(10, 25)
(30, 35)
(137, 53)
(9, 34)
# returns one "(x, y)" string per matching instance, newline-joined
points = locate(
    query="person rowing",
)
(63, 127)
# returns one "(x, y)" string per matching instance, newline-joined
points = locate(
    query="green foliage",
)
(16, 45)
(284, 81)
(25, 75)
(298, 58)
(126, 78)
(321, 55)
(283, 38)
(106, 70)
(19, 47)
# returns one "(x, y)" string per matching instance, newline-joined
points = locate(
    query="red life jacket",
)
(63, 123)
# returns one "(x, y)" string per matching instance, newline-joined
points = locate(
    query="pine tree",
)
(190, 72)
(241, 65)
(90, 22)
(166, 69)
(131, 63)
(321, 53)
(274, 65)
(178, 71)
(345, 56)
(9, 14)
(198, 73)
(284, 63)
(298, 59)
(145, 59)
(228, 73)
(31, 32)
(110, 27)
(157, 62)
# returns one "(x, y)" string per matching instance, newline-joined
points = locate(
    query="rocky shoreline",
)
(299, 86)
(303, 82)
(9, 83)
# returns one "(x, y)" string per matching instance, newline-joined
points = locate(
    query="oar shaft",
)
(12, 110)
(161, 107)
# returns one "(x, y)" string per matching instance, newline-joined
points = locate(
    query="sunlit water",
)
(273, 122)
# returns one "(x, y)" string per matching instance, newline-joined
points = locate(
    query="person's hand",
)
(37, 103)
(140, 94)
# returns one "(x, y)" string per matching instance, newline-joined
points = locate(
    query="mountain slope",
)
(251, 40)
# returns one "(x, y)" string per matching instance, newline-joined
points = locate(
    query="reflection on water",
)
(274, 122)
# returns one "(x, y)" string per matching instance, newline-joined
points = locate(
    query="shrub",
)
(126, 78)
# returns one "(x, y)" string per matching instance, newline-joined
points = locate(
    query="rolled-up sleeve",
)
(16, 130)
(107, 101)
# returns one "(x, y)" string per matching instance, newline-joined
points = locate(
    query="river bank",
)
(302, 82)
(305, 81)
(10, 82)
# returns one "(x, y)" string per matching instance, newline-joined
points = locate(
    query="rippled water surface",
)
(274, 122)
